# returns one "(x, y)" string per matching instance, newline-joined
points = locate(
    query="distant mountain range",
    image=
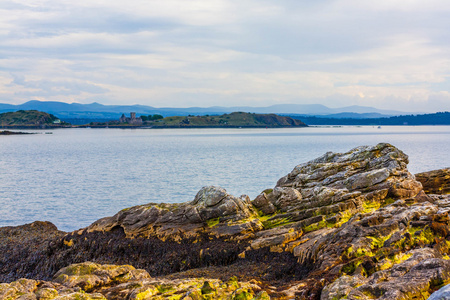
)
(97, 111)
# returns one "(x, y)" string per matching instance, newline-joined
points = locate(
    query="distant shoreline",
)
(7, 128)
(7, 132)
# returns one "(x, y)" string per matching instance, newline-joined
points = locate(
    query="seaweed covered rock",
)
(25, 243)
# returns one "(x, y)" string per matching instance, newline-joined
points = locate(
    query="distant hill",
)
(28, 118)
(97, 111)
(233, 120)
(440, 118)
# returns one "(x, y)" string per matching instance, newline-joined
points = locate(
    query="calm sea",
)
(73, 177)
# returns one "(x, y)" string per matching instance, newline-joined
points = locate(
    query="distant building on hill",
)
(132, 120)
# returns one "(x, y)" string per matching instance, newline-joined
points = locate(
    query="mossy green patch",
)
(80, 269)
(163, 288)
(242, 294)
(315, 226)
(370, 206)
(268, 191)
(393, 260)
(350, 267)
(261, 216)
(213, 222)
(345, 216)
(144, 295)
(207, 288)
(378, 242)
(262, 296)
(388, 201)
(363, 252)
(359, 252)
(233, 282)
(422, 235)
(272, 223)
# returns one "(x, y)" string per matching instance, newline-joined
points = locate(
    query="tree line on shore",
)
(439, 118)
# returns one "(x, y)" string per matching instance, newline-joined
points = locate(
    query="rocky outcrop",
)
(7, 132)
(88, 281)
(341, 182)
(354, 225)
(212, 211)
(435, 182)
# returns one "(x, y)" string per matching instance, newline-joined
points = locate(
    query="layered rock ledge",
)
(354, 225)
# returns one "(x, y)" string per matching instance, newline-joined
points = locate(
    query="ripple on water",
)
(76, 176)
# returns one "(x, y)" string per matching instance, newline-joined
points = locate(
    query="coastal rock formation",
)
(354, 225)
(212, 210)
(435, 182)
(88, 281)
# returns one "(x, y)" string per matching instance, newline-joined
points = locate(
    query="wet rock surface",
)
(354, 225)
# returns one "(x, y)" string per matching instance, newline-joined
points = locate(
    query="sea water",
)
(73, 177)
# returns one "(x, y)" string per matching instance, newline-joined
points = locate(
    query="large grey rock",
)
(212, 210)
(337, 182)
(89, 276)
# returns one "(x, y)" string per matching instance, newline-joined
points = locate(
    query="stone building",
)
(132, 120)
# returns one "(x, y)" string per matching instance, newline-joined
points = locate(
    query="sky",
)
(389, 54)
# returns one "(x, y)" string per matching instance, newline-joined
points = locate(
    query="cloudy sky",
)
(387, 53)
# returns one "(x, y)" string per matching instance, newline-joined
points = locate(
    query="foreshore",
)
(354, 224)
